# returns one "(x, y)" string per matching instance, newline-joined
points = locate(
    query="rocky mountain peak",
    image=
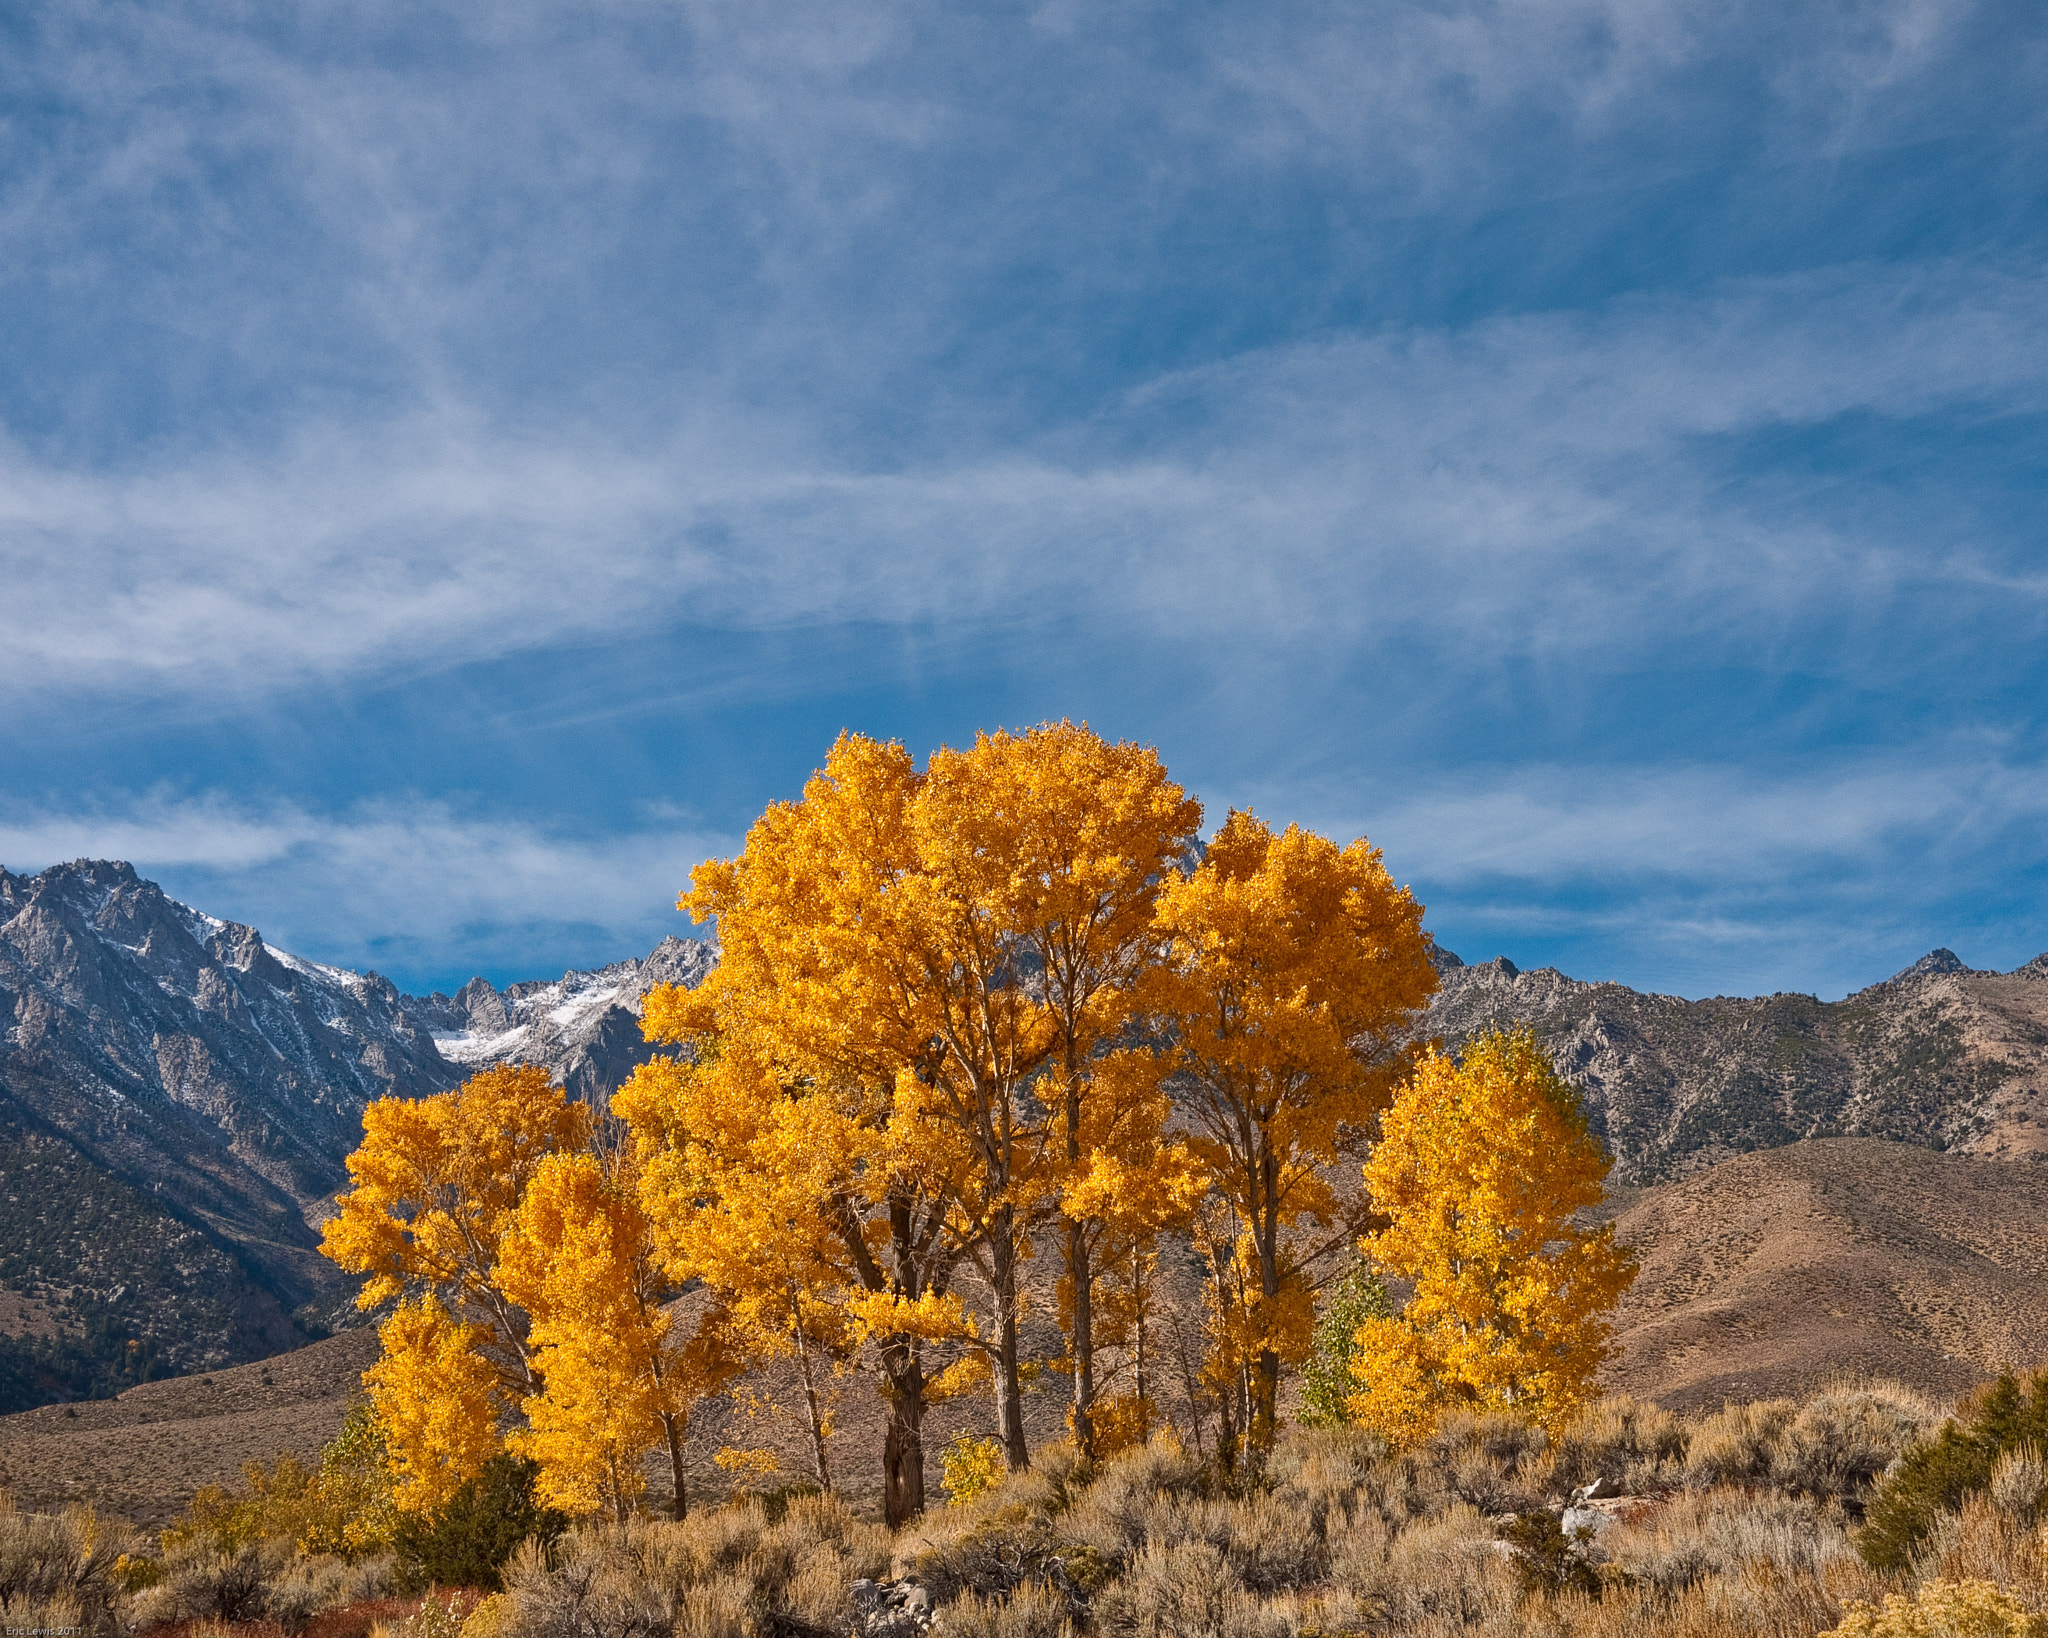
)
(1931, 965)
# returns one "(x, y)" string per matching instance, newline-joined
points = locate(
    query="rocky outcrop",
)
(1939, 1056)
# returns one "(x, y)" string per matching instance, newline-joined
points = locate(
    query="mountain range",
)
(1939, 1056)
(177, 1098)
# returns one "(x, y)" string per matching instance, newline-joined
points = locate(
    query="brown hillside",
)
(141, 1456)
(1772, 1272)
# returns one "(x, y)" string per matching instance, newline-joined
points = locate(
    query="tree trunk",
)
(1264, 1388)
(679, 1504)
(817, 1420)
(1009, 1390)
(1141, 1298)
(903, 1444)
(1080, 1278)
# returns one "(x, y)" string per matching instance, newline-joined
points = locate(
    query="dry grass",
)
(1736, 1524)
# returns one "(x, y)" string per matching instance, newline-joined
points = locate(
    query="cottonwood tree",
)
(1480, 1169)
(741, 1179)
(528, 1290)
(617, 1374)
(942, 956)
(436, 1184)
(1294, 972)
(1079, 835)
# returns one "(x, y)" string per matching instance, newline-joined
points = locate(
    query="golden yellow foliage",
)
(535, 1288)
(915, 966)
(1295, 969)
(1943, 1609)
(1479, 1170)
(437, 1400)
(578, 1257)
(748, 1469)
(971, 1465)
(435, 1184)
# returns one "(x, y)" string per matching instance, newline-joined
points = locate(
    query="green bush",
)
(1546, 1559)
(1934, 1476)
(1326, 1382)
(466, 1542)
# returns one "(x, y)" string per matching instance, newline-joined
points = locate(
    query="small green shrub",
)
(1547, 1560)
(1326, 1381)
(467, 1542)
(1935, 1475)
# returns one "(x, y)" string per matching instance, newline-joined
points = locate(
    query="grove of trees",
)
(1000, 1007)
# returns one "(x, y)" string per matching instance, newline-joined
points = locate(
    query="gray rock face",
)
(176, 1098)
(1939, 1056)
(583, 1027)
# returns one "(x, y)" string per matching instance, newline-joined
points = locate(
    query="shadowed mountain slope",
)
(177, 1099)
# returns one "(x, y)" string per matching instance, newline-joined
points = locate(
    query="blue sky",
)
(458, 463)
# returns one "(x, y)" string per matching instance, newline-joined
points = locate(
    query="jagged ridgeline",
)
(177, 1098)
(1939, 1056)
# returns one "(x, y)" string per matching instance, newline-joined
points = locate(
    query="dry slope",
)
(1772, 1272)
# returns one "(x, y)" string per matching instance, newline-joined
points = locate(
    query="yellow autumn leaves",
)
(1001, 1006)
(1481, 1171)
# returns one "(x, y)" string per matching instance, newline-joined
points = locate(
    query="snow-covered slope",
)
(584, 1026)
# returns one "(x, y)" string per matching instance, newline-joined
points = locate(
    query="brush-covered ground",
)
(1745, 1522)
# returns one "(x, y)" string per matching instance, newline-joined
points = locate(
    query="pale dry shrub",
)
(652, 1575)
(2019, 1483)
(1444, 1570)
(1183, 1590)
(1737, 1443)
(714, 1609)
(1029, 1612)
(1629, 1445)
(714, 1541)
(1342, 1473)
(307, 1585)
(1985, 1542)
(56, 1569)
(604, 1583)
(1841, 1441)
(1358, 1546)
(1716, 1532)
(1110, 1516)
(200, 1582)
(1270, 1542)
(1510, 1441)
(1492, 1461)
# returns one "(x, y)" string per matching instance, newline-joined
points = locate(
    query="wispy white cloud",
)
(1737, 830)
(1551, 483)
